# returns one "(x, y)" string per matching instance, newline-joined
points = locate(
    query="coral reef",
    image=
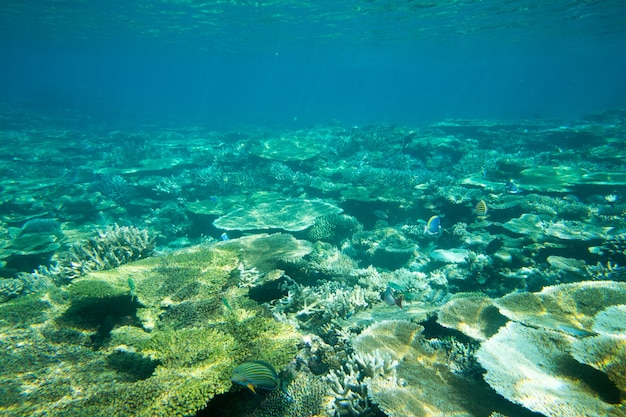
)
(333, 227)
(288, 215)
(296, 146)
(536, 285)
(32, 245)
(529, 366)
(568, 308)
(151, 337)
(348, 386)
(305, 397)
(312, 306)
(112, 247)
(475, 316)
(423, 375)
(10, 288)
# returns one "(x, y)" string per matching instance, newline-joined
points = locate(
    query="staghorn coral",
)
(212, 179)
(314, 306)
(110, 248)
(117, 188)
(348, 384)
(613, 249)
(606, 272)
(170, 186)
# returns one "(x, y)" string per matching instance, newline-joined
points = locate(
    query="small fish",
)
(494, 245)
(131, 285)
(223, 237)
(256, 374)
(393, 297)
(226, 304)
(511, 188)
(380, 214)
(433, 226)
(575, 331)
(481, 209)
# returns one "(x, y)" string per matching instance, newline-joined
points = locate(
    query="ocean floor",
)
(466, 268)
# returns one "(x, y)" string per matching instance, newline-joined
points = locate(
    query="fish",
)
(392, 296)
(511, 188)
(380, 214)
(575, 331)
(433, 226)
(494, 245)
(481, 209)
(256, 374)
(223, 237)
(131, 285)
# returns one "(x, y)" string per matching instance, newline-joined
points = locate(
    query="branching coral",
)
(110, 248)
(349, 383)
(314, 306)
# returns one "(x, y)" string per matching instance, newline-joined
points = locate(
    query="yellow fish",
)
(481, 209)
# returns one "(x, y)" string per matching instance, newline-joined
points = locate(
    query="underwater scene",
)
(313, 208)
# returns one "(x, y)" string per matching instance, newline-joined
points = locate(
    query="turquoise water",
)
(299, 63)
(365, 208)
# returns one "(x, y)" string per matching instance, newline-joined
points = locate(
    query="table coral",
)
(568, 308)
(289, 215)
(533, 367)
(425, 384)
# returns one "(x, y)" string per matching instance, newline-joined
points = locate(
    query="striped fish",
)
(481, 209)
(256, 374)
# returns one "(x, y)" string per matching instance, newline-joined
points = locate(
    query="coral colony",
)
(377, 271)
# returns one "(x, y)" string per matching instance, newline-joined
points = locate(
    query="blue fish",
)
(224, 237)
(433, 226)
(256, 374)
(511, 188)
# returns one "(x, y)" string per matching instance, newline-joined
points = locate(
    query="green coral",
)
(101, 350)
(23, 311)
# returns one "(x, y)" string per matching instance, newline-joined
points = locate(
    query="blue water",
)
(298, 63)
